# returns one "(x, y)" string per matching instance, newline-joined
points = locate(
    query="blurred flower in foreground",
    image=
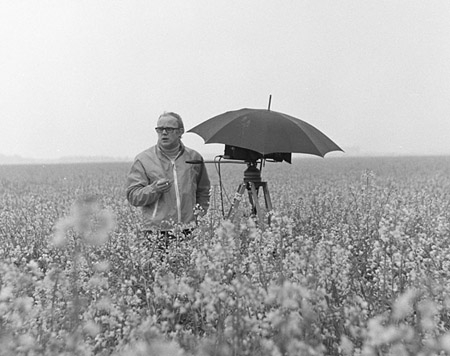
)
(59, 238)
(403, 305)
(445, 342)
(91, 328)
(88, 220)
(156, 347)
(102, 266)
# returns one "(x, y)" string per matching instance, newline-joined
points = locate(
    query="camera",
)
(244, 154)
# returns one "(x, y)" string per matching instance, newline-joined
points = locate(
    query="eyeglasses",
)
(168, 129)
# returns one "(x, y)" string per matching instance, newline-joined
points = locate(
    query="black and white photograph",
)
(225, 178)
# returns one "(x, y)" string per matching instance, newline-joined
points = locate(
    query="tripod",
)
(252, 182)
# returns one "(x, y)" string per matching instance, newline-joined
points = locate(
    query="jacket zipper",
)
(155, 209)
(177, 192)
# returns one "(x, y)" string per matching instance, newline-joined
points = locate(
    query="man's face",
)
(166, 139)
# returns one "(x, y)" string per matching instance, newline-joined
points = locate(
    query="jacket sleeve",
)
(203, 188)
(140, 191)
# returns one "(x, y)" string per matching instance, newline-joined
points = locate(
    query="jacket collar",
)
(161, 154)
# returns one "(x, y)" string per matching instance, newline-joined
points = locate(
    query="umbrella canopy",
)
(266, 132)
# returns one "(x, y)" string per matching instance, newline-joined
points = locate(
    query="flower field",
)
(355, 261)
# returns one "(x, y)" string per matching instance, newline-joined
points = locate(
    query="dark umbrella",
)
(266, 132)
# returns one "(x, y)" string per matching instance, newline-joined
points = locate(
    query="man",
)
(167, 188)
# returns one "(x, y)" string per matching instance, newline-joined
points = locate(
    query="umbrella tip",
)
(270, 101)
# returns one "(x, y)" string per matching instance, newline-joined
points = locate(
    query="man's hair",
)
(174, 115)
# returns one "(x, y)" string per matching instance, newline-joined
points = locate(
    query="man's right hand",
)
(162, 186)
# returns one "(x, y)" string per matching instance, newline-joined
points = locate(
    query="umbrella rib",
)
(322, 144)
(292, 141)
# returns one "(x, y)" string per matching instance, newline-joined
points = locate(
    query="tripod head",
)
(252, 173)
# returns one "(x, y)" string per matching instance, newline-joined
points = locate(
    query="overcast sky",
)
(91, 77)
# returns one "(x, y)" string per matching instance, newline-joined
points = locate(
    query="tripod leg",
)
(267, 199)
(237, 199)
(253, 196)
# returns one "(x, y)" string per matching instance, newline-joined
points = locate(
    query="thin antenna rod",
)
(270, 100)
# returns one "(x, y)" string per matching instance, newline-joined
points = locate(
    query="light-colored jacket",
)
(190, 186)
